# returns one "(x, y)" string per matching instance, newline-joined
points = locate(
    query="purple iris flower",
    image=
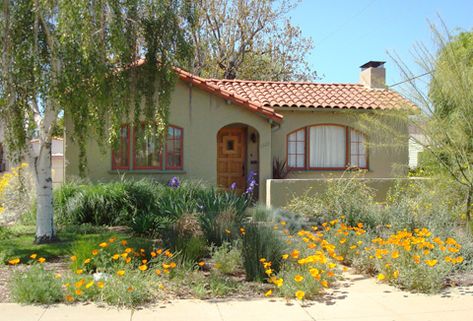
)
(251, 183)
(174, 182)
(233, 186)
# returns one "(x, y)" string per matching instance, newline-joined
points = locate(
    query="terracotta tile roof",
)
(313, 95)
(262, 96)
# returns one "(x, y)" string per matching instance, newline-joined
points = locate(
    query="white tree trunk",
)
(45, 231)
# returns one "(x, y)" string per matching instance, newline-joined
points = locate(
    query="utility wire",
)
(415, 77)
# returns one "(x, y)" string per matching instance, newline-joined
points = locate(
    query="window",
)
(174, 148)
(326, 147)
(148, 151)
(296, 149)
(121, 154)
(357, 149)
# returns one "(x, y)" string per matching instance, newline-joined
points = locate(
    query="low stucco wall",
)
(279, 192)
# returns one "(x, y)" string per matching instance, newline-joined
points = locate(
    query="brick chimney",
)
(373, 74)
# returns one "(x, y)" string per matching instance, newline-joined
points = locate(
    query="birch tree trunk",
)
(45, 231)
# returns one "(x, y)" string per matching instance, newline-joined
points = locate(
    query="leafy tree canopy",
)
(249, 39)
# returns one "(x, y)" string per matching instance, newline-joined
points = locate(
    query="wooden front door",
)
(231, 158)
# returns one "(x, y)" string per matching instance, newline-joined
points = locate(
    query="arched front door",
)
(231, 157)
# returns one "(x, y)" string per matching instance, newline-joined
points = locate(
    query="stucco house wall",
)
(201, 115)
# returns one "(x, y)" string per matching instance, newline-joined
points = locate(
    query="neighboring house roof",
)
(313, 95)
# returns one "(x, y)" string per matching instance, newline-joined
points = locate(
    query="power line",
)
(409, 79)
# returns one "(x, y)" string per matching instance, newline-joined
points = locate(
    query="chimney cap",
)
(373, 64)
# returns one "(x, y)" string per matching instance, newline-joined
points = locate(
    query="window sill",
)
(146, 171)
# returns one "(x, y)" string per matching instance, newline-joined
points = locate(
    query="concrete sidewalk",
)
(357, 298)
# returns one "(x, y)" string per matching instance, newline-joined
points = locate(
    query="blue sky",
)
(348, 33)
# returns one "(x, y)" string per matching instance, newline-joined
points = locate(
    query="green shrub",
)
(261, 241)
(148, 207)
(35, 285)
(227, 257)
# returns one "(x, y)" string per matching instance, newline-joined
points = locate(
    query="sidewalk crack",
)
(219, 312)
(42, 313)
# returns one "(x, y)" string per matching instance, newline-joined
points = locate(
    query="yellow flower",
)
(262, 260)
(111, 240)
(14, 261)
(88, 285)
(144, 261)
(100, 284)
(285, 256)
(295, 254)
(381, 277)
(395, 254)
(73, 258)
(78, 292)
(201, 263)
(172, 265)
(431, 263)
(283, 223)
(143, 267)
(103, 244)
(128, 250)
(57, 275)
(95, 252)
(79, 271)
(124, 242)
(300, 295)
(459, 259)
(79, 284)
(128, 260)
(268, 293)
(242, 231)
(41, 260)
(158, 272)
(324, 283)
(69, 298)
(115, 256)
(396, 274)
(33, 256)
(278, 282)
(153, 254)
(268, 271)
(120, 272)
(298, 278)
(86, 261)
(130, 289)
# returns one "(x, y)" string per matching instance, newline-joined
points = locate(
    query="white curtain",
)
(327, 147)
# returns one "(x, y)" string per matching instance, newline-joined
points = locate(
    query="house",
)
(221, 130)
(417, 141)
(57, 157)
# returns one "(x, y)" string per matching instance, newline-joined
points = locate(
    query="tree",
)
(249, 39)
(66, 57)
(446, 109)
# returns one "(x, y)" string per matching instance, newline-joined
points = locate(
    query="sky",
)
(349, 33)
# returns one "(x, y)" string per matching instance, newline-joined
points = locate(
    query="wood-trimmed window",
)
(326, 147)
(121, 154)
(147, 151)
(174, 144)
(296, 149)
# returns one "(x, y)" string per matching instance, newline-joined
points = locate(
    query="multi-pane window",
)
(174, 148)
(296, 149)
(357, 149)
(148, 153)
(147, 149)
(121, 152)
(327, 147)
